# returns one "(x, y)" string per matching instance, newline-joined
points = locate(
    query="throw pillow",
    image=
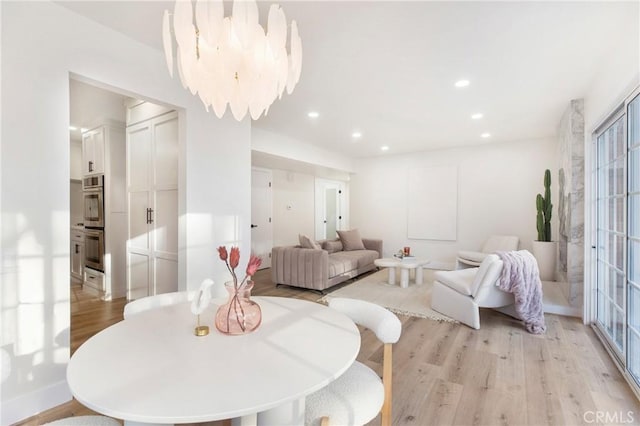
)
(307, 242)
(332, 246)
(351, 240)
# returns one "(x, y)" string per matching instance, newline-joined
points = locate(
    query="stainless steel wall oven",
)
(94, 249)
(93, 200)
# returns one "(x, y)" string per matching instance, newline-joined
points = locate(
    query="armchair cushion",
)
(488, 271)
(462, 280)
(351, 240)
(474, 256)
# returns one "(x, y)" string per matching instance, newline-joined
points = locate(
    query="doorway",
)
(330, 208)
(98, 110)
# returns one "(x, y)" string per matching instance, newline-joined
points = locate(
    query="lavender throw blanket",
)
(520, 276)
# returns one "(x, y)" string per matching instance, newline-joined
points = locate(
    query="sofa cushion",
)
(461, 280)
(351, 240)
(361, 257)
(307, 242)
(332, 246)
(340, 264)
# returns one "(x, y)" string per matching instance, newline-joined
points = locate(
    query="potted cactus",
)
(544, 249)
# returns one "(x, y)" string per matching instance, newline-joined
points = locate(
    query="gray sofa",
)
(319, 269)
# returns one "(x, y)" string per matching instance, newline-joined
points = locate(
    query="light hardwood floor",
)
(450, 374)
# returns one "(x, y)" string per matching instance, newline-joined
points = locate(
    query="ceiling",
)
(387, 69)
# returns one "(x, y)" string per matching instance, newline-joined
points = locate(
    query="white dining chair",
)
(85, 421)
(358, 395)
(150, 302)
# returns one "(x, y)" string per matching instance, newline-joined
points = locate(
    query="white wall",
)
(294, 190)
(41, 43)
(497, 186)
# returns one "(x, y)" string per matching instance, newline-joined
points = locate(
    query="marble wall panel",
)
(571, 202)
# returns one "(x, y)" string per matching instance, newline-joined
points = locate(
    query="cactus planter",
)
(545, 250)
(544, 207)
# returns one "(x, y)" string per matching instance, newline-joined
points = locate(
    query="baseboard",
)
(30, 404)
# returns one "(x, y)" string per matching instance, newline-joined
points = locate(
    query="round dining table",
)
(153, 369)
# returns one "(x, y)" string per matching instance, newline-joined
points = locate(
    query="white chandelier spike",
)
(232, 60)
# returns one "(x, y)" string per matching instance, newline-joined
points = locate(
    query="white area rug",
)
(414, 300)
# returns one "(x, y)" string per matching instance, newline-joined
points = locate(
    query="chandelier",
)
(232, 60)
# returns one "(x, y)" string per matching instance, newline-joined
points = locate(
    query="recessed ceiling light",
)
(313, 114)
(356, 135)
(72, 128)
(384, 148)
(462, 83)
(485, 135)
(477, 116)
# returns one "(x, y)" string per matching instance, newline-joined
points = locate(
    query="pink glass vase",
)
(240, 315)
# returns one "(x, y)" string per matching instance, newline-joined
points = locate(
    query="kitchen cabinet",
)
(152, 188)
(104, 152)
(77, 254)
(93, 143)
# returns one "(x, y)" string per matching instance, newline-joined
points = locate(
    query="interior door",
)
(331, 212)
(330, 204)
(261, 226)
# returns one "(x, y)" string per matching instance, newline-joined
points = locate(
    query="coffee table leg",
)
(392, 276)
(404, 278)
(419, 275)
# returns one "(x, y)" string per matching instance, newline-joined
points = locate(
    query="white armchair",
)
(470, 259)
(460, 294)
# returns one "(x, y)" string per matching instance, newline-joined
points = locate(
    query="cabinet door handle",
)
(77, 249)
(90, 166)
(150, 215)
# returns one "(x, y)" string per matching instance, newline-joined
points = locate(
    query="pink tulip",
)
(253, 265)
(234, 257)
(222, 252)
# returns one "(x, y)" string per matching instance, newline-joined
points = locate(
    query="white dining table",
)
(152, 369)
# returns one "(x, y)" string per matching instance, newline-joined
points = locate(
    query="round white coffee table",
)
(405, 265)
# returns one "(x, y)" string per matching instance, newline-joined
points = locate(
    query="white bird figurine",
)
(202, 299)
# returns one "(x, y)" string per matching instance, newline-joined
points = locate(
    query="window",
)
(617, 210)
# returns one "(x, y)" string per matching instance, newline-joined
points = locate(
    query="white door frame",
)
(342, 222)
(268, 243)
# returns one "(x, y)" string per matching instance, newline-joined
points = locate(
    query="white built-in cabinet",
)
(93, 151)
(152, 187)
(104, 152)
